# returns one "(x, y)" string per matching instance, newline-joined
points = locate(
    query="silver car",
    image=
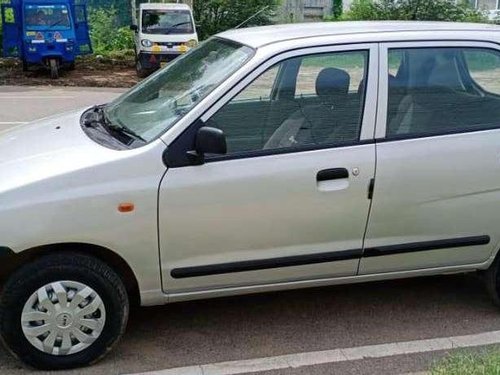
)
(265, 159)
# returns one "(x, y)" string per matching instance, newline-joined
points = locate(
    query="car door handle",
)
(332, 174)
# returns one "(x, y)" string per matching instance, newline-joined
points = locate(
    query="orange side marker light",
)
(126, 207)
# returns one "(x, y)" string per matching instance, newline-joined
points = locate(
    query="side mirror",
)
(134, 28)
(208, 141)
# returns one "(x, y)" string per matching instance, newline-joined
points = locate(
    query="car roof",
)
(264, 35)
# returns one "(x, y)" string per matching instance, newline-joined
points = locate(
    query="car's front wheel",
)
(63, 311)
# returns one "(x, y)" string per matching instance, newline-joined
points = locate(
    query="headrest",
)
(332, 82)
(393, 82)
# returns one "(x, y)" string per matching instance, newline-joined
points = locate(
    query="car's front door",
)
(288, 202)
(437, 185)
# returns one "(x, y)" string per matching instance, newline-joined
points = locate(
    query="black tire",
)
(58, 267)
(141, 72)
(54, 68)
(72, 66)
(25, 66)
(491, 279)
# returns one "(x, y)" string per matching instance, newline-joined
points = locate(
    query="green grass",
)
(465, 363)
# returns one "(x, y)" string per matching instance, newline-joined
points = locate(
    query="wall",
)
(304, 10)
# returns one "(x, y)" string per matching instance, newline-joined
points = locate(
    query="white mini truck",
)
(164, 32)
(265, 159)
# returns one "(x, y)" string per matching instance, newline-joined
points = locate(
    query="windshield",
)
(167, 22)
(38, 17)
(157, 103)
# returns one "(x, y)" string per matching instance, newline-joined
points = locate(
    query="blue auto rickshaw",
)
(46, 32)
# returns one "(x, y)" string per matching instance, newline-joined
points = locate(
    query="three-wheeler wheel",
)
(54, 68)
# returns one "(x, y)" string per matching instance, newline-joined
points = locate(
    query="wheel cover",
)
(63, 318)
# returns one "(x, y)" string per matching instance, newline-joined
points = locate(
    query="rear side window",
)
(442, 90)
(484, 68)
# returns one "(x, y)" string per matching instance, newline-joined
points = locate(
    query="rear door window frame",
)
(383, 88)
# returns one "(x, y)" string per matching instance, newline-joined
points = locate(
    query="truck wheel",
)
(141, 72)
(54, 69)
(25, 66)
(63, 311)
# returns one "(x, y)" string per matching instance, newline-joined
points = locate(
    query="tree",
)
(122, 9)
(214, 16)
(415, 10)
(106, 35)
(337, 8)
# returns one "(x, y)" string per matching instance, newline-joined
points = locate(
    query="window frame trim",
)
(383, 95)
(368, 116)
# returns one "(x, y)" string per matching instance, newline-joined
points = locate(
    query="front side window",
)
(308, 101)
(42, 17)
(353, 64)
(443, 90)
(261, 89)
(158, 102)
(167, 22)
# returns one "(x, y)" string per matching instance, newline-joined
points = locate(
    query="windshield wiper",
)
(119, 128)
(175, 26)
(92, 116)
(56, 23)
(124, 130)
(101, 118)
(179, 24)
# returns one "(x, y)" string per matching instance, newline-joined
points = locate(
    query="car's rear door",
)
(437, 186)
(280, 208)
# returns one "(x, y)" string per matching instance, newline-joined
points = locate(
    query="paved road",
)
(277, 324)
(24, 104)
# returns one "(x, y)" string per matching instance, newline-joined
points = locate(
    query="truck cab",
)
(163, 32)
(45, 32)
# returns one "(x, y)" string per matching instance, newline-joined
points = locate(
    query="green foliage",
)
(121, 7)
(106, 35)
(484, 363)
(416, 10)
(337, 9)
(214, 16)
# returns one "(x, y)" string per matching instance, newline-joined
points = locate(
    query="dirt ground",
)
(105, 72)
(88, 73)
